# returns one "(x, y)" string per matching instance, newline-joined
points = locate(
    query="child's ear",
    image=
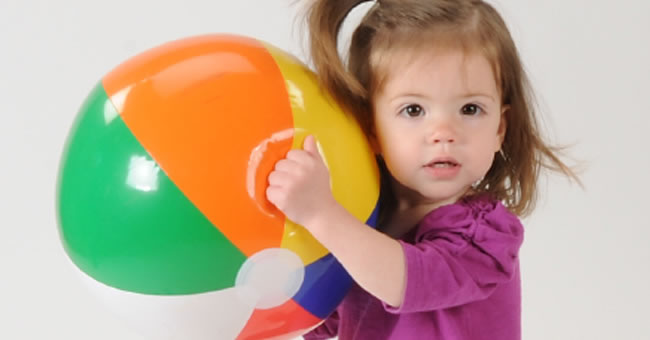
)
(503, 126)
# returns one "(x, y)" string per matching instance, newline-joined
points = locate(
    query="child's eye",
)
(412, 110)
(471, 110)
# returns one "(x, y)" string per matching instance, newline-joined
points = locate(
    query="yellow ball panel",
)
(345, 149)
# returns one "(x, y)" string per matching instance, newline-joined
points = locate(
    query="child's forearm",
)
(374, 260)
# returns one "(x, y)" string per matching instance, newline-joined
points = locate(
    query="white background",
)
(585, 259)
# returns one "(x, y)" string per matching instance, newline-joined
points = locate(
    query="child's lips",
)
(443, 168)
(441, 162)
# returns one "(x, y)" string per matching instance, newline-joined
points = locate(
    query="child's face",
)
(438, 124)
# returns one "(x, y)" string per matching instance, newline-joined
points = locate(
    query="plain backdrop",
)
(585, 258)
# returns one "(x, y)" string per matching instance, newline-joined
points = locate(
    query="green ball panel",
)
(124, 222)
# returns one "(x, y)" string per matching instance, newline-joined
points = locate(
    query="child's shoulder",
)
(474, 216)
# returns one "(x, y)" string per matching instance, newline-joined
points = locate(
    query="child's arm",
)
(299, 186)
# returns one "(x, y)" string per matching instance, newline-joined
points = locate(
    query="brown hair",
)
(471, 25)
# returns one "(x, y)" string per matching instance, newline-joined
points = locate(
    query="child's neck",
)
(403, 218)
(407, 212)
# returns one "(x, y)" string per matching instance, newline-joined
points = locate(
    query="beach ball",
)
(161, 191)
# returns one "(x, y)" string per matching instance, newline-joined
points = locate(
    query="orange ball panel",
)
(200, 91)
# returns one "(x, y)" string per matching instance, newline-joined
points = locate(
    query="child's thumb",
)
(310, 145)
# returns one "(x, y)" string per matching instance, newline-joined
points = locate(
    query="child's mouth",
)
(443, 165)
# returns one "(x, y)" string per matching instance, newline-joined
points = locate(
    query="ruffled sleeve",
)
(461, 253)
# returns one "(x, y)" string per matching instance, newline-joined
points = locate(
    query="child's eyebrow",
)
(400, 95)
(478, 94)
(467, 95)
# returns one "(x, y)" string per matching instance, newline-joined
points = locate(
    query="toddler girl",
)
(440, 91)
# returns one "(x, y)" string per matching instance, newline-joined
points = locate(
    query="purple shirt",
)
(462, 281)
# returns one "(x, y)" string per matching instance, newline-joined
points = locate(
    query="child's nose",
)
(444, 139)
(442, 132)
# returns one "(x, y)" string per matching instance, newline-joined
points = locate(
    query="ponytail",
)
(325, 19)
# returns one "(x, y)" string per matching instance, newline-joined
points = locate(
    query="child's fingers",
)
(299, 156)
(279, 178)
(275, 196)
(285, 165)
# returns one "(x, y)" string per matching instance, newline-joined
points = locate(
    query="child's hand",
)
(300, 184)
